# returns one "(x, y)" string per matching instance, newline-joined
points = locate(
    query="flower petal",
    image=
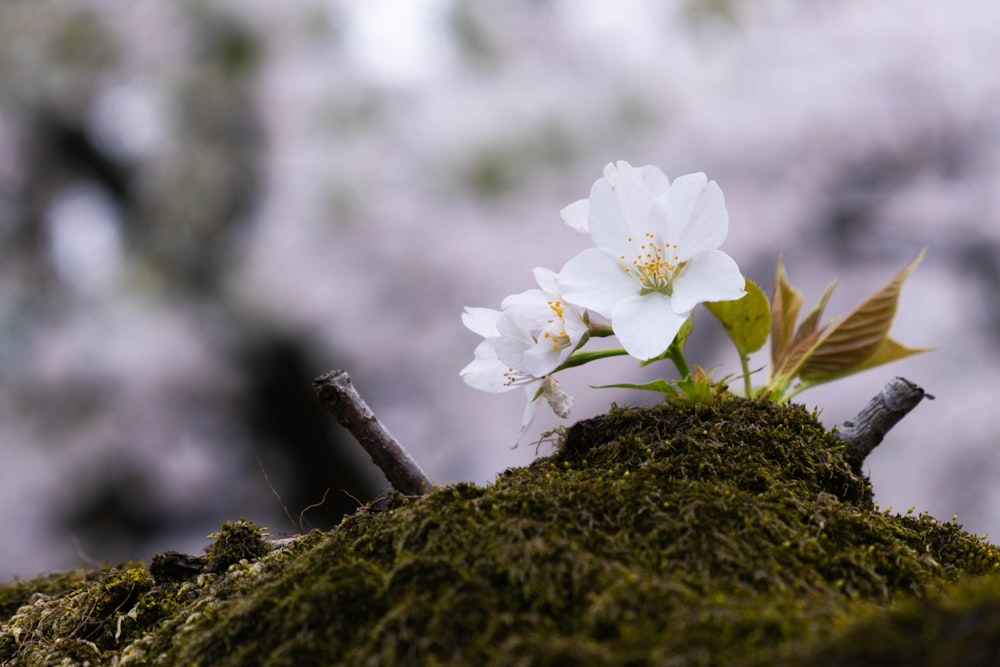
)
(542, 359)
(514, 324)
(619, 207)
(525, 312)
(646, 325)
(708, 276)
(709, 223)
(510, 352)
(546, 279)
(606, 223)
(595, 281)
(535, 311)
(654, 179)
(575, 215)
(530, 410)
(684, 192)
(529, 358)
(693, 215)
(482, 321)
(486, 372)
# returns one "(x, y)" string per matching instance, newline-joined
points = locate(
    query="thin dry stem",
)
(339, 397)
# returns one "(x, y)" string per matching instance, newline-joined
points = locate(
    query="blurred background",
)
(205, 205)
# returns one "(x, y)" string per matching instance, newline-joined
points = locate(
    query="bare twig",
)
(277, 495)
(866, 429)
(339, 396)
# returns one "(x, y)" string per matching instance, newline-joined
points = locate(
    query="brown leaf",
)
(848, 344)
(785, 304)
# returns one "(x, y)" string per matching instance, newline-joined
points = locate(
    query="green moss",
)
(236, 541)
(18, 593)
(708, 535)
(81, 624)
(961, 627)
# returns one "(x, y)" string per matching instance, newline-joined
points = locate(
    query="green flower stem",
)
(600, 332)
(579, 358)
(676, 355)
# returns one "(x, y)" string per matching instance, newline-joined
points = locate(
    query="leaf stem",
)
(747, 385)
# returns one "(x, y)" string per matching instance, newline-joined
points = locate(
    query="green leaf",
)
(785, 304)
(662, 386)
(747, 320)
(847, 345)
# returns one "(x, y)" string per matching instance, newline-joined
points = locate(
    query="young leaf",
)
(746, 320)
(785, 304)
(802, 343)
(889, 350)
(793, 357)
(699, 387)
(849, 343)
(810, 325)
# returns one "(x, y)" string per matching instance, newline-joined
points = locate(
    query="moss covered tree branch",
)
(865, 430)
(340, 398)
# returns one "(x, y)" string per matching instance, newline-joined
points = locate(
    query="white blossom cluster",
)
(656, 258)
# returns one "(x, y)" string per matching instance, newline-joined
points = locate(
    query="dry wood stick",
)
(339, 397)
(865, 430)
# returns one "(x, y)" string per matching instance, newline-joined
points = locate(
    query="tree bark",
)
(865, 430)
(339, 397)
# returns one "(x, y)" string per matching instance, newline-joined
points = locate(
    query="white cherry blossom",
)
(524, 343)
(657, 254)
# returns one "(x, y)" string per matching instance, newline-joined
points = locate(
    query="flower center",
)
(555, 332)
(654, 264)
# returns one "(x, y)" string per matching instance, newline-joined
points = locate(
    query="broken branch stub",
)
(865, 430)
(338, 395)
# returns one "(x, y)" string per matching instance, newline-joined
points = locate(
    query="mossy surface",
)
(727, 534)
(959, 627)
